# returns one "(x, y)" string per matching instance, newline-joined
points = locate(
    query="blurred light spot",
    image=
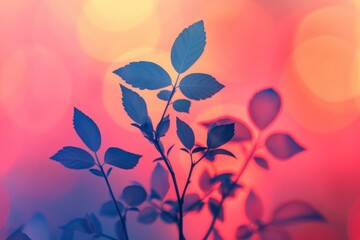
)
(326, 66)
(108, 46)
(37, 88)
(117, 15)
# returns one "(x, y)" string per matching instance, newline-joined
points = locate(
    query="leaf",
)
(120, 158)
(274, 234)
(163, 127)
(217, 235)
(199, 86)
(221, 152)
(147, 215)
(164, 95)
(264, 107)
(219, 135)
(87, 130)
(282, 146)
(168, 217)
(182, 105)
(205, 181)
(134, 195)
(199, 149)
(184, 150)
(214, 207)
(144, 75)
(192, 202)
(185, 134)
(74, 158)
(159, 182)
(134, 105)
(96, 172)
(18, 235)
(242, 130)
(95, 221)
(81, 225)
(244, 232)
(108, 209)
(188, 47)
(295, 212)
(109, 171)
(119, 230)
(169, 150)
(253, 207)
(158, 159)
(261, 162)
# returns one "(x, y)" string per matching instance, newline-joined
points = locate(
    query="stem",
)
(232, 186)
(122, 220)
(188, 179)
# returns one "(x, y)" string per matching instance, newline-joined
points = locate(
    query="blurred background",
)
(55, 55)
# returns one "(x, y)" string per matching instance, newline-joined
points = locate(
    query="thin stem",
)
(232, 186)
(188, 179)
(122, 220)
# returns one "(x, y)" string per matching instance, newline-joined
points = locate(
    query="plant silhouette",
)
(154, 203)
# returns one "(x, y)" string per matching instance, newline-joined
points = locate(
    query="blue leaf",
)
(274, 234)
(282, 146)
(264, 107)
(81, 225)
(18, 235)
(108, 209)
(95, 221)
(214, 207)
(185, 134)
(164, 95)
(134, 105)
(147, 215)
(159, 182)
(199, 86)
(169, 211)
(120, 158)
(182, 105)
(134, 195)
(119, 230)
(205, 181)
(244, 232)
(218, 135)
(221, 152)
(217, 235)
(169, 150)
(188, 47)
(253, 207)
(192, 202)
(109, 171)
(242, 130)
(261, 162)
(74, 158)
(163, 127)
(295, 212)
(144, 75)
(87, 130)
(96, 172)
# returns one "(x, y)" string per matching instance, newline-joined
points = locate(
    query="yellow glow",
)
(326, 66)
(118, 15)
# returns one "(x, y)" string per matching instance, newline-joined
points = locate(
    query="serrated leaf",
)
(108, 209)
(185, 134)
(121, 158)
(199, 86)
(134, 195)
(192, 202)
(74, 158)
(261, 162)
(242, 130)
(271, 234)
(219, 135)
(214, 207)
(144, 75)
(148, 215)
(243, 232)
(282, 146)
(182, 105)
(87, 130)
(295, 212)
(81, 225)
(134, 105)
(264, 107)
(253, 207)
(164, 95)
(163, 127)
(188, 47)
(96, 172)
(159, 182)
